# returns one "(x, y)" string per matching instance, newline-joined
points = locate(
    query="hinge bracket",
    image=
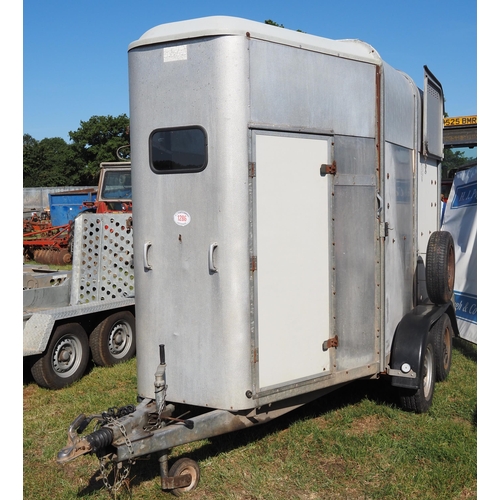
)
(255, 357)
(251, 169)
(328, 169)
(333, 342)
(253, 264)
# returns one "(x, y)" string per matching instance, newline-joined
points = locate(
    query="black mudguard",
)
(411, 339)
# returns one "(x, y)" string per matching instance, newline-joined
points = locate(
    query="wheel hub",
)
(66, 356)
(119, 339)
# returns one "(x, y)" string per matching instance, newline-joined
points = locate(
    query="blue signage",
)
(466, 307)
(465, 196)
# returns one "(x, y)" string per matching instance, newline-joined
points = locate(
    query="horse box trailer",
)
(286, 215)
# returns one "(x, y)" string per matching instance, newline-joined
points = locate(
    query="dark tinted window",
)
(178, 150)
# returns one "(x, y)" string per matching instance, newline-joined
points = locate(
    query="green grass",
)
(352, 444)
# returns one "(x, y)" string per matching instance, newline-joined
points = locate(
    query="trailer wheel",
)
(113, 340)
(420, 400)
(442, 335)
(440, 267)
(181, 466)
(65, 359)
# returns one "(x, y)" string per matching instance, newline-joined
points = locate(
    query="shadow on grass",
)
(28, 377)
(145, 469)
(468, 349)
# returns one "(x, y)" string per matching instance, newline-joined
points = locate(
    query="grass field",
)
(351, 444)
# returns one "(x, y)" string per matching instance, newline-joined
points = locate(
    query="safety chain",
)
(121, 470)
(157, 422)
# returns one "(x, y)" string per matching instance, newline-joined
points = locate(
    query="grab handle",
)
(147, 246)
(211, 261)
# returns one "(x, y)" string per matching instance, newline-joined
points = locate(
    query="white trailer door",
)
(292, 281)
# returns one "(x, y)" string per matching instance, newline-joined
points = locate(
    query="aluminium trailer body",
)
(286, 188)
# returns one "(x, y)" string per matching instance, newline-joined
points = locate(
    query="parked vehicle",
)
(70, 316)
(287, 195)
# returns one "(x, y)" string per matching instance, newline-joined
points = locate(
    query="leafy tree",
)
(98, 140)
(32, 162)
(273, 23)
(53, 162)
(49, 162)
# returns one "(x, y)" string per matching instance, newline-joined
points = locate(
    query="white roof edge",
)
(226, 25)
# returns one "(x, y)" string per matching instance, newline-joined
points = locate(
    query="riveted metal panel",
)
(328, 93)
(356, 249)
(200, 313)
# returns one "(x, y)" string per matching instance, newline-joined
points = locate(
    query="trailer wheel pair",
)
(440, 279)
(67, 356)
(436, 367)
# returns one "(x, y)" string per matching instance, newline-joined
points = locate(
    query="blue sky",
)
(75, 52)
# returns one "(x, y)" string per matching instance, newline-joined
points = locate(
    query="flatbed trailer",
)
(70, 316)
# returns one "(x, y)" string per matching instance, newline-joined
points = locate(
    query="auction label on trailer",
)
(182, 218)
(177, 53)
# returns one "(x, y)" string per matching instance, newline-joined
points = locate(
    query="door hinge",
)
(253, 263)
(255, 355)
(333, 342)
(251, 169)
(328, 169)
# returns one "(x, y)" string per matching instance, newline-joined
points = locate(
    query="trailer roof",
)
(225, 25)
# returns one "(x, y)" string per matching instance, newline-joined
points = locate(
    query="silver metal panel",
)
(202, 317)
(356, 251)
(103, 258)
(400, 243)
(327, 92)
(428, 201)
(37, 327)
(46, 297)
(432, 119)
(293, 259)
(400, 98)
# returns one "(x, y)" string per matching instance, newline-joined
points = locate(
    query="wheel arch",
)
(410, 340)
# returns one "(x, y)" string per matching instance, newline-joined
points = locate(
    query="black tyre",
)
(65, 359)
(420, 400)
(442, 336)
(113, 340)
(184, 466)
(440, 267)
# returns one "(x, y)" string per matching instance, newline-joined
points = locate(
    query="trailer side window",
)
(178, 150)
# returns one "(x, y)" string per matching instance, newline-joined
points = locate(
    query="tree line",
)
(53, 162)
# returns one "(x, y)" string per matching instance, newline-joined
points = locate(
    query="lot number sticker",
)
(182, 218)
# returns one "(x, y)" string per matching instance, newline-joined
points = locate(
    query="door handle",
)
(211, 261)
(147, 265)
